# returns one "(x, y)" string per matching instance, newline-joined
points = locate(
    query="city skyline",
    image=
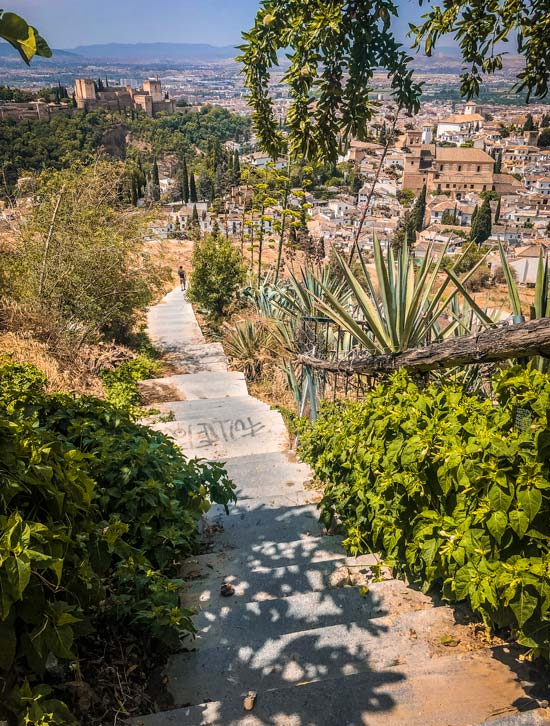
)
(66, 24)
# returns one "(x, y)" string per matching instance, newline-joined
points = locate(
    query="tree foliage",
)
(482, 223)
(481, 28)
(79, 268)
(26, 40)
(544, 139)
(334, 49)
(218, 274)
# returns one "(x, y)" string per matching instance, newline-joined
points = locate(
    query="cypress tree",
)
(545, 121)
(474, 216)
(497, 212)
(236, 169)
(184, 182)
(481, 227)
(498, 162)
(195, 224)
(156, 182)
(529, 124)
(156, 179)
(420, 211)
(192, 189)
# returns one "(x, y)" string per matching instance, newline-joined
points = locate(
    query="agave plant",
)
(247, 344)
(407, 308)
(541, 306)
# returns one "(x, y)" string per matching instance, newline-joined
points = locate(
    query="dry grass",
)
(271, 388)
(63, 372)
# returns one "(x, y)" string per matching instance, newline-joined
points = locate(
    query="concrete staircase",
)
(324, 639)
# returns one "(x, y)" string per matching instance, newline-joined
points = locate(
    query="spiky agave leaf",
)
(510, 282)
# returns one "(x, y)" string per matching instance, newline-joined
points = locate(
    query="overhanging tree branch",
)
(492, 345)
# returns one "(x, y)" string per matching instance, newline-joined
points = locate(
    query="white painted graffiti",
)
(204, 434)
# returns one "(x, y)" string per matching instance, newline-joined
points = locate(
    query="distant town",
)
(459, 152)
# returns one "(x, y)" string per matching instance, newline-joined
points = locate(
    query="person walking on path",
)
(183, 279)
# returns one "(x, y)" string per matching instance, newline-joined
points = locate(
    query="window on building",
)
(471, 186)
(478, 167)
(460, 167)
(447, 186)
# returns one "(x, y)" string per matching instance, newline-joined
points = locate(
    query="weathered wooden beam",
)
(491, 345)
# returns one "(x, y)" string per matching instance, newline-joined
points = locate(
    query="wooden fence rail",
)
(494, 344)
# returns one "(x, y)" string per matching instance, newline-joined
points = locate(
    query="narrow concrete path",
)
(324, 639)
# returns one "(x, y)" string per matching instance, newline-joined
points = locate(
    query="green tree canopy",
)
(217, 275)
(529, 124)
(335, 47)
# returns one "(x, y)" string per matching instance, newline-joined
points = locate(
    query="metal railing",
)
(321, 338)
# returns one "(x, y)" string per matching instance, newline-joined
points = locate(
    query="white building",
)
(460, 127)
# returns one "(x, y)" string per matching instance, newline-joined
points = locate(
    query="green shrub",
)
(452, 489)
(218, 273)
(95, 513)
(121, 383)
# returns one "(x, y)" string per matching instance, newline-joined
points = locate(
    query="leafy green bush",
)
(452, 489)
(218, 273)
(95, 513)
(121, 383)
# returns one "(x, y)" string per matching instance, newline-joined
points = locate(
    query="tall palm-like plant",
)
(406, 307)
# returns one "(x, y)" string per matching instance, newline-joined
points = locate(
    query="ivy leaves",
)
(451, 489)
(95, 513)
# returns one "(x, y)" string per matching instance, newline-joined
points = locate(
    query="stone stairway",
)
(324, 639)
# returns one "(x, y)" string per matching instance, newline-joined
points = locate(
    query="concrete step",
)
(290, 498)
(267, 555)
(190, 358)
(219, 429)
(345, 648)
(257, 585)
(204, 385)
(267, 475)
(236, 622)
(243, 528)
(445, 692)
(171, 325)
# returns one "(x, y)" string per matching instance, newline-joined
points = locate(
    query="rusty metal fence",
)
(322, 338)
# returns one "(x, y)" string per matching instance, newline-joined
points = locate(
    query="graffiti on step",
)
(203, 435)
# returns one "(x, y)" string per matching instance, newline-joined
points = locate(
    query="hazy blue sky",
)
(67, 23)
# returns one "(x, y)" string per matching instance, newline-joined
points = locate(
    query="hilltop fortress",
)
(151, 99)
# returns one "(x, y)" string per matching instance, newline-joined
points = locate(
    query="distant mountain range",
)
(6, 51)
(150, 52)
(134, 53)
